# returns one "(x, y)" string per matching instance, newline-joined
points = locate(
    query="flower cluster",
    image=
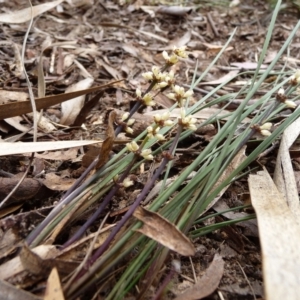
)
(180, 95)
(147, 99)
(145, 153)
(265, 129)
(281, 97)
(127, 123)
(163, 119)
(176, 53)
(154, 75)
(187, 122)
(161, 79)
(160, 120)
(153, 132)
(295, 79)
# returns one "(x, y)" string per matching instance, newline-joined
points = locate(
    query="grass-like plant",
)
(182, 204)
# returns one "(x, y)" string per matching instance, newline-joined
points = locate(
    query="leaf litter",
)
(110, 50)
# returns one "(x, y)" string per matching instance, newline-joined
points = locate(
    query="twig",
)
(19, 183)
(31, 96)
(212, 24)
(193, 270)
(250, 286)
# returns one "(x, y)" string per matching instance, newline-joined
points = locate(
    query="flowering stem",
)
(138, 200)
(137, 105)
(102, 206)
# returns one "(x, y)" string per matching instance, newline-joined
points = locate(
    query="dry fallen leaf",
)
(70, 154)
(23, 107)
(178, 11)
(70, 109)
(112, 71)
(20, 148)
(208, 282)
(9, 96)
(16, 123)
(11, 292)
(284, 177)
(248, 65)
(87, 107)
(108, 142)
(27, 189)
(32, 262)
(56, 183)
(279, 233)
(179, 42)
(44, 123)
(161, 230)
(25, 15)
(14, 267)
(54, 289)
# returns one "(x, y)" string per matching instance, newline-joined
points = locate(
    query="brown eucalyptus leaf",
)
(23, 107)
(56, 183)
(27, 189)
(208, 282)
(32, 262)
(161, 230)
(108, 142)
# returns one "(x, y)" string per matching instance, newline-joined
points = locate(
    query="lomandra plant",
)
(127, 257)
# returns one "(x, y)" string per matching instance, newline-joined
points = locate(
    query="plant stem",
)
(132, 208)
(100, 209)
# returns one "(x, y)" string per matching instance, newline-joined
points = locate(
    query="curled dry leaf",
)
(25, 15)
(284, 176)
(33, 263)
(179, 42)
(70, 109)
(44, 123)
(208, 282)
(16, 123)
(56, 183)
(40, 266)
(178, 11)
(27, 190)
(108, 142)
(161, 230)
